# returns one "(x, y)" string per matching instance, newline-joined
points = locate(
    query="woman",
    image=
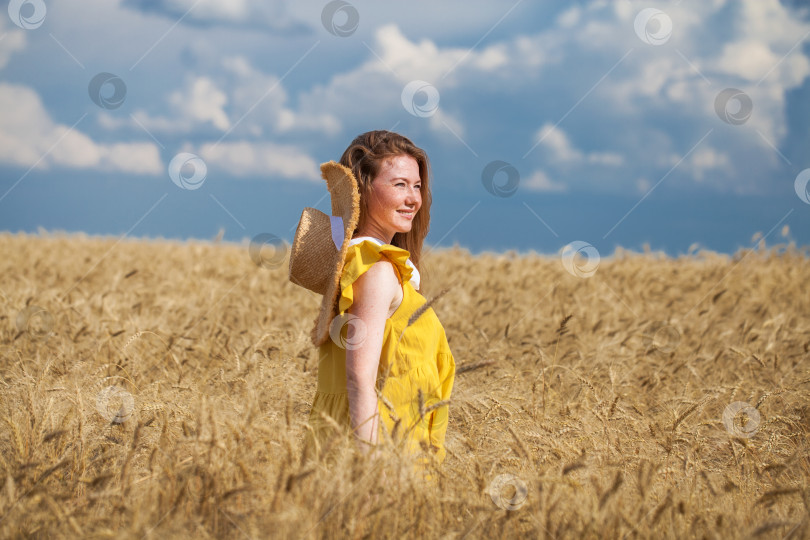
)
(393, 372)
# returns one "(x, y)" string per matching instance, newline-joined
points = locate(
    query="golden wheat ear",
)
(421, 310)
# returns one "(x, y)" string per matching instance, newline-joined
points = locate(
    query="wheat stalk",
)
(420, 311)
(464, 368)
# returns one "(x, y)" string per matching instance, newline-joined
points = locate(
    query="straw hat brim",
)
(316, 263)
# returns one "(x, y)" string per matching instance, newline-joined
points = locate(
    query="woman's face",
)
(395, 199)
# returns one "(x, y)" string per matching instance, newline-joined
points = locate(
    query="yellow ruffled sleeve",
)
(360, 258)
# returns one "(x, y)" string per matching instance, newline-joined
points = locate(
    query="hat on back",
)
(321, 242)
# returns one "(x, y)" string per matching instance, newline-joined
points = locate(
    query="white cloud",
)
(561, 150)
(492, 57)
(198, 104)
(243, 100)
(202, 102)
(268, 160)
(606, 158)
(136, 157)
(663, 97)
(11, 40)
(570, 17)
(268, 13)
(289, 120)
(374, 88)
(260, 101)
(539, 181)
(28, 137)
(643, 185)
(446, 67)
(708, 159)
(440, 120)
(558, 144)
(749, 59)
(408, 60)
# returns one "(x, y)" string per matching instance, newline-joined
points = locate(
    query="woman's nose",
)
(414, 196)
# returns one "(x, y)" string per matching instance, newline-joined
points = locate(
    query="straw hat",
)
(321, 242)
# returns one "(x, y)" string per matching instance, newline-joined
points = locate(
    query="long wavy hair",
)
(365, 156)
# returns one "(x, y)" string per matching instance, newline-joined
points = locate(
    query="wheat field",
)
(159, 389)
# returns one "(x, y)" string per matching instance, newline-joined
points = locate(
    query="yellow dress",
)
(414, 358)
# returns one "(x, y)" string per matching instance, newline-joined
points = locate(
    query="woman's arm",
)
(373, 293)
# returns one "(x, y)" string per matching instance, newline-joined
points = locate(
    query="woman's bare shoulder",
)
(377, 286)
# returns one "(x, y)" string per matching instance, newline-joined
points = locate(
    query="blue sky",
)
(616, 123)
